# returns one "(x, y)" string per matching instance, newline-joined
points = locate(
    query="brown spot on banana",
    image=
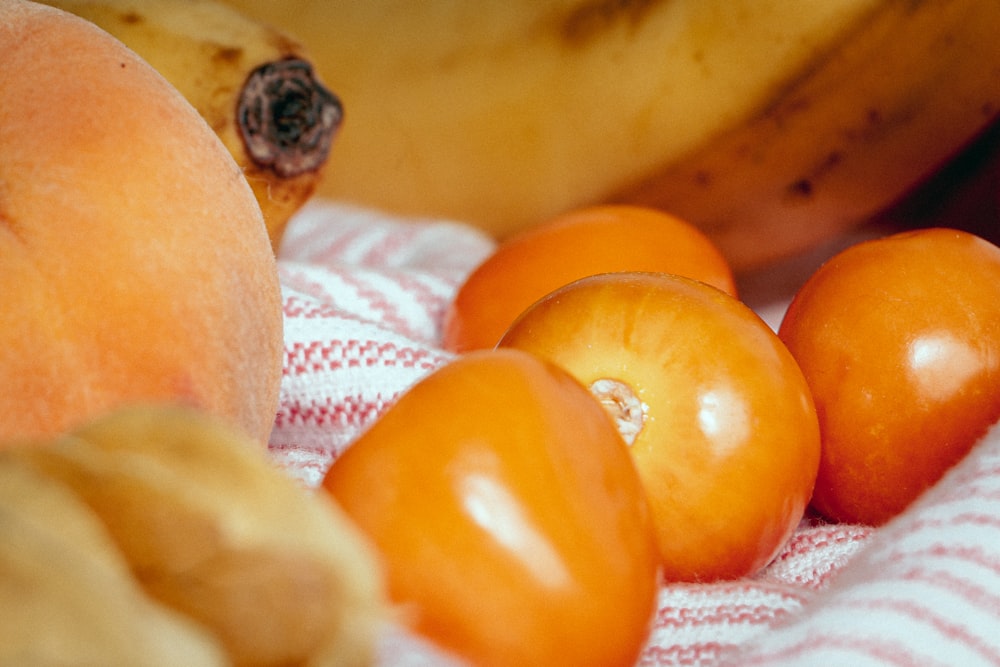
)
(804, 187)
(228, 54)
(588, 20)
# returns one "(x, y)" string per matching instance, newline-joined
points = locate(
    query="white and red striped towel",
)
(363, 299)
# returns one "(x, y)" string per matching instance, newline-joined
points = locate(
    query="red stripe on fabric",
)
(348, 411)
(813, 555)
(975, 595)
(337, 247)
(681, 655)
(722, 613)
(975, 555)
(809, 540)
(386, 310)
(381, 254)
(886, 652)
(928, 616)
(326, 356)
(294, 307)
(969, 518)
(433, 304)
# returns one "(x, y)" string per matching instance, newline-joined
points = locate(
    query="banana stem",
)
(287, 118)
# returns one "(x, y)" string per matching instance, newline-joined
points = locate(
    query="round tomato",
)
(509, 515)
(899, 339)
(720, 420)
(583, 242)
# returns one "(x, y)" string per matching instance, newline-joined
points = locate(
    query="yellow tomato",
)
(583, 242)
(509, 515)
(720, 419)
(899, 339)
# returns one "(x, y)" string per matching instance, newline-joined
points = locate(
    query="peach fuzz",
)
(133, 255)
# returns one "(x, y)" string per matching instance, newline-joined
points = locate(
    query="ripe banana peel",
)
(770, 124)
(253, 84)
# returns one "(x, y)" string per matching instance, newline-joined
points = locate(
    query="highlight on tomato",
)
(509, 515)
(576, 244)
(721, 423)
(899, 339)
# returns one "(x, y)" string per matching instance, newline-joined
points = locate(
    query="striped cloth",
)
(363, 299)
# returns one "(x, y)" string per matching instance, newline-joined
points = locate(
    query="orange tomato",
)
(509, 515)
(580, 243)
(899, 339)
(721, 423)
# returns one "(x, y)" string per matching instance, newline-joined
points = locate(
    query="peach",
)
(134, 259)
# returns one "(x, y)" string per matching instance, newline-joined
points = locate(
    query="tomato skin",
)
(899, 339)
(582, 242)
(730, 444)
(509, 515)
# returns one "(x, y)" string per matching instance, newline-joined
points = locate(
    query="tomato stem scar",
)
(623, 405)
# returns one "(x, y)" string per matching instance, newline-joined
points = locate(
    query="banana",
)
(770, 124)
(253, 84)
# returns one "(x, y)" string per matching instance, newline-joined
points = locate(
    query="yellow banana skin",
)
(253, 84)
(850, 138)
(771, 124)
